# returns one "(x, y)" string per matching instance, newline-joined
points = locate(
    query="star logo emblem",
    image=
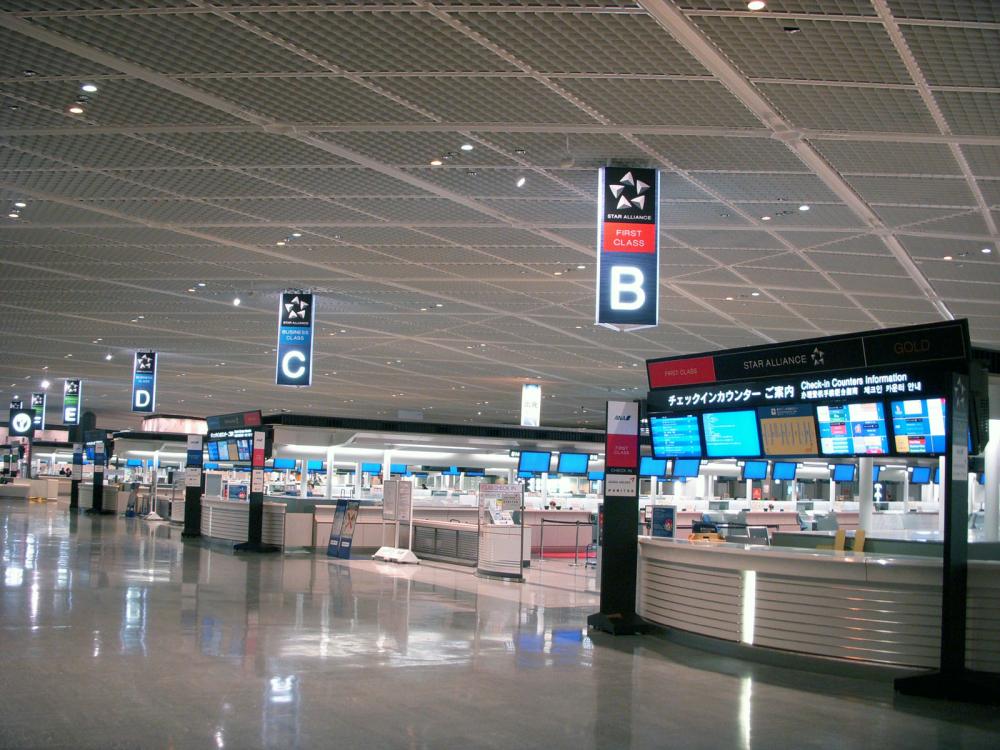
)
(817, 357)
(145, 362)
(295, 308)
(627, 186)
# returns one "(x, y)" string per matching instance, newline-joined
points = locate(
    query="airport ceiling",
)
(234, 149)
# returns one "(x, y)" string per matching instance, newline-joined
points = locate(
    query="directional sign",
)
(144, 382)
(72, 398)
(295, 339)
(22, 423)
(38, 402)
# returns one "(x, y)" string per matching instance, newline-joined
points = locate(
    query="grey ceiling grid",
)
(220, 128)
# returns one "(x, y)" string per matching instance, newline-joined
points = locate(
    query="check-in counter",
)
(858, 607)
(16, 490)
(113, 500)
(448, 541)
(224, 519)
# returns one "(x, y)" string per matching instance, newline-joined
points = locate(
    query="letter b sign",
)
(627, 293)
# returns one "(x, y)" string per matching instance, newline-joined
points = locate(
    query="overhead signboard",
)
(234, 421)
(16, 403)
(531, 405)
(38, 402)
(72, 399)
(628, 243)
(21, 423)
(295, 339)
(144, 382)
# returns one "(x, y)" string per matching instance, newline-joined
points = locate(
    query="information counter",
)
(224, 519)
(857, 607)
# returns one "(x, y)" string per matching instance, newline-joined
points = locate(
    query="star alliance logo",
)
(817, 357)
(296, 309)
(144, 363)
(72, 388)
(626, 185)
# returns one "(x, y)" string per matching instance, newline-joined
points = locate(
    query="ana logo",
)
(144, 363)
(817, 357)
(628, 184)
(295, 309)
(21, 422)
(623, 417)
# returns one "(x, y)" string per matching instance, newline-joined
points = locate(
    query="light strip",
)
(749, 609)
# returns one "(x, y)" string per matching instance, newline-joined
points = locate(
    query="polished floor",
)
(114, 634)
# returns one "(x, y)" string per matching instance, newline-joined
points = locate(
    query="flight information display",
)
(675, 437)
(731, 434)
(788, 430)
(852, 429)
(919, 426)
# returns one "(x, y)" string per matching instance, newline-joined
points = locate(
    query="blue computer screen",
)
(524, 475)
(686, 467)
(595, 476)
(371, 468)
(852, 429)
(284, 463)
(919, 425)
(731, 434)
(876, 470)
(534, 461)
(844, 472)
(675, 437)
(314, 465)
(397, 468)
(755, 470)
(213, 450)
(652, 467)
(921, 475)
(573, 463)
(784, 470)
(937, 474)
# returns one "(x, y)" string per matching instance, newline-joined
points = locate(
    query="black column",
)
(193, 492)
(255, 520)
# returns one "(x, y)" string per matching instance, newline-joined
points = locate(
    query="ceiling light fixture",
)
(236, 301)
(108, 356)
(280, 243)
(987, 250)
(20, 204)
(521, 181)
(296, 234)
(191, 289)
(756, 5)
(947, 257)
(581, 268)
(75, 109)
(90, 88)
(754, 294)
(201, 283)
(765, 218)
(467, 147)
(14, 215)
(436, 162)
(804, 207)
(45, 385)
(557, 273)
(438, 304)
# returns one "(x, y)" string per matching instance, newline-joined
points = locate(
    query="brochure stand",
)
(397, 507)
(501, 540)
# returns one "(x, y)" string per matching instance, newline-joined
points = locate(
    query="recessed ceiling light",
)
(581, 268)
(754, 294)
(75, 109)
(280, 243)
(438, 304)
(756, 5)
(14, 215)
(201, 283)
(108, 356)
(467, 147)
(20, 204)
(520, 181)
(45, 384)
(90, 88)
(557, 273)
(947, 257)
(804, 207)
(191, 289)
(236, 301)
(765, 218)
(423, 309)
(296, 234)
(729, 299)
(987, 250)
(436, 162)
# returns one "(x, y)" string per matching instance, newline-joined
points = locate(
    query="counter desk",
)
(856, 607)
(230, 520)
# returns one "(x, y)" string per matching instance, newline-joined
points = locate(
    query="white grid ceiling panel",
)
(846, 108)
(357, 41)
(19, 53)
(966, 290)
(294, 211)
(12, 159)
(48, 212)
(439, 254)
(549, 212)
(721, 238)
(420, 148)
(777, 277)
(900, 285)
(971, 113)
(177, 212)
(206, 183)
(868, 264)
(861, 157)
(494, 183)
(793, 188)
(16, 113)
(541, 254)
(104, 151)
(83, 185)
(983, 160)
(699, 213)
(897, 216)
(820, 314)
(334, 181)
(821, 50)
(819, 215)
(490, 237)
(972, 271)
(932, 248)
(381, 236)
(590, 150)
(179, 44)
(921, 191)
(247, 149)
(308, 100)
(956, 57)
(990, 190)
(971, 223)
(496, 100)
(631, 101)
(552, 43)
(119, 102)
(408, 209)
(948, 10)
(718, 153)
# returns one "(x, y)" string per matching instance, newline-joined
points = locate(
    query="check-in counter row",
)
(49, 488)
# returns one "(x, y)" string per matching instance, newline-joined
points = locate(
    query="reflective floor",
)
(115, 634)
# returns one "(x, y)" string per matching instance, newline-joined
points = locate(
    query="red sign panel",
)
(681, 372)
(619, 237)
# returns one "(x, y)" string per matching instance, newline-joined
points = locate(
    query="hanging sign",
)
(144, 382)
(531, 405)
(295, 339)
(72, 397)
(628, 243)
(16, 403)
(21, 423)
(38, 401)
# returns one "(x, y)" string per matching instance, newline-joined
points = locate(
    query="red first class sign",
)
(681, 372)
(621, 445)
(628, 238)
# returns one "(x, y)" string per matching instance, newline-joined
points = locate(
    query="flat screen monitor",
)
(856, 429)
(844, 472)
(784, 470)
(397, 468)
(573, 463)
(731, 434)
(921, 475)
(876, 470)
(652, 467)
(525, 475)
(981, 477)
(371, 468)
(686, 467)
(452, 471)
(675, 437)
(536, 462)
(595, 476)
(788, 430)
(224, 451)
(475, 473)
(134, 462)
(937, 475)
(755, 470)
(210, 466)
(314, 464)
(213, 451)
(281, 464)
(918, 426)
(243, 449)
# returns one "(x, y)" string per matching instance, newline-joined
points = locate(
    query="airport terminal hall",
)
(501, 374)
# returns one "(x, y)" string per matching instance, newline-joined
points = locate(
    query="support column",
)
(992, 488)
(331, 472)
(194, 486)
(866, 494)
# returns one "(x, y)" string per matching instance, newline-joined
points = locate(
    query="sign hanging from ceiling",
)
(22, 423)
(628, 244)
(16, 403)
(72, 396)
(38, 401)
(531, 405)
(144, 382)
(295, 339)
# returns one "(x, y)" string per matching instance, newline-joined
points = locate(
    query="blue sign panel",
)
(295, 339)
(664, 521)
(345, 520)
(144, 382)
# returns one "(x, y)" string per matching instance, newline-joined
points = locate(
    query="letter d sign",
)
(142, 399)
